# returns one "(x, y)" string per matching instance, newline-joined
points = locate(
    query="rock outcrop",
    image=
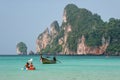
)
(67, 29)
(47, 36)
(84, 49)
(21, 48)
(31, 53)
(43, 40)
(81, 32)
(64, 16)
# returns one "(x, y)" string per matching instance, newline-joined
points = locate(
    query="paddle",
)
(24, 68)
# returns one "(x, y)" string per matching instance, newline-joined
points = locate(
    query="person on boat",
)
(54, 58)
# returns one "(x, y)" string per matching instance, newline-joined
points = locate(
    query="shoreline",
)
(60, 55)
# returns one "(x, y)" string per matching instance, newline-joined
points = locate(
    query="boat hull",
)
(47, 61)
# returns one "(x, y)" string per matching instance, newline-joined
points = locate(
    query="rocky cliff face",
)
(84, 49)
(67, 30)
(47, 36)
(21, 48)
(64, 16)
(79, 28)
(43, 40)
(18, 51)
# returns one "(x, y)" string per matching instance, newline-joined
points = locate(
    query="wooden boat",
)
(47, 61)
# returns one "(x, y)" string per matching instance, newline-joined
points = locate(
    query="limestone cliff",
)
(81, 32)
(67, 30)
(84, 49)
(21, 48)
(43, 40)
(46, 38)
(54, 30)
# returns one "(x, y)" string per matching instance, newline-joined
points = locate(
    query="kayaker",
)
(27, 65)
(31, 66)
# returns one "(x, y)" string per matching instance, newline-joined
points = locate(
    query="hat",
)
(29, 61)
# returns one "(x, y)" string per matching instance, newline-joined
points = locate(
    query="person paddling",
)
(27, 65)
(31, 66)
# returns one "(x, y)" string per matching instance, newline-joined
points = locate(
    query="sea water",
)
(69, 68)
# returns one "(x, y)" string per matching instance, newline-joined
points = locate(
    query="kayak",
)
(32, 68)
(28, 68)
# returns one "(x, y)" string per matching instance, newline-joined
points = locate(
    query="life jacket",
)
(31, 67)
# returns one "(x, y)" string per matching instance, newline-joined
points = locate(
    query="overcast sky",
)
(24, 20)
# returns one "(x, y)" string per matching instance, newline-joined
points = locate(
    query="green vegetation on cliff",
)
(95, 30)
(83, 22)
(113, 28)
(22, 47)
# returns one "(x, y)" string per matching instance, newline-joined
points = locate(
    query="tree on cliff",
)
(83, 22)
(21, 48)
(114, 31)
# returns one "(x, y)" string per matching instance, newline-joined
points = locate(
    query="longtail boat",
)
(47, 61)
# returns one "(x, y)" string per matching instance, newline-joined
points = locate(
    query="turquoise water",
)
(70, 68)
